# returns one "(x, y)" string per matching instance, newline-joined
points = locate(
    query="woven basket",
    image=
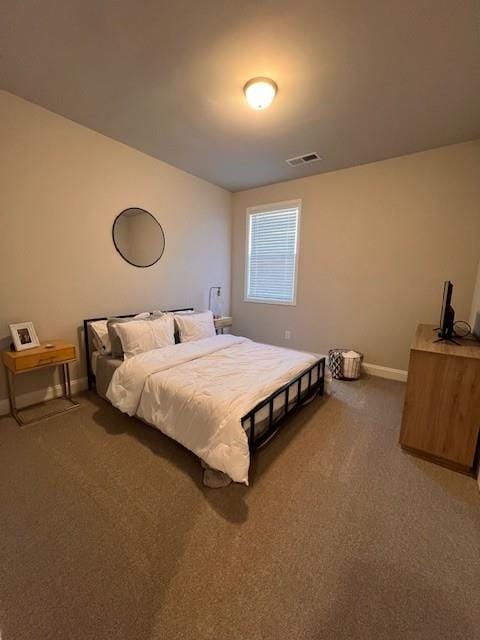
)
(344, 368)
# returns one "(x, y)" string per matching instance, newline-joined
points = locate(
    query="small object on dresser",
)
(24, 336)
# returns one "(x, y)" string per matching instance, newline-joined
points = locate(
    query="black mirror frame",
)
(139, 266)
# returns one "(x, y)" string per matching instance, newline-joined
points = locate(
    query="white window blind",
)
(272, 246)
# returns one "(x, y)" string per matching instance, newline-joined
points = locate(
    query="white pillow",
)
(195, 326)
(138, 336)
(100, 337)
(115, 342)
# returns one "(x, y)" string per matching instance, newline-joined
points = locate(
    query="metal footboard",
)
(250, 420)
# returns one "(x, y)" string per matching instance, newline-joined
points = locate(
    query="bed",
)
(222, 397)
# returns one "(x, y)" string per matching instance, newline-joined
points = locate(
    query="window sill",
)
(281, 303)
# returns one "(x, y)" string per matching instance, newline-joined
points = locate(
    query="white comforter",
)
(197, 393)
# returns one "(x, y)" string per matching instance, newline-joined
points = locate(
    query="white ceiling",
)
(359, 80)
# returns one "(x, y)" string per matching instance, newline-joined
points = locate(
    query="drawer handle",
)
(45, 360)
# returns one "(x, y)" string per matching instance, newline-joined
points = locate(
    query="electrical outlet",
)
(288, 334)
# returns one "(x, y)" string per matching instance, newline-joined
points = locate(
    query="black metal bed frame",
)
(90, 374)
(250, 419)
(288, 408)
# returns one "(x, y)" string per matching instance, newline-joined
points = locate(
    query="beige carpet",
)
(106, 532)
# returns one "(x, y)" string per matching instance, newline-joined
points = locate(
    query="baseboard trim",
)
(385, 372)
(41, 395)
(379, 371)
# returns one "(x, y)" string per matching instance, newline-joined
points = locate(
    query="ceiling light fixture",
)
(260, 92)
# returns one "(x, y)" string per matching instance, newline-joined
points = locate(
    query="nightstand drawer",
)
(33, 360)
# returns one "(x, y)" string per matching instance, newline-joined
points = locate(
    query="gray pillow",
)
(117, 348)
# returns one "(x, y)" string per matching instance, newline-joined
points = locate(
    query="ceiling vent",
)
(305, 159)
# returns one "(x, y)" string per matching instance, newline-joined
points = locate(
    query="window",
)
(272, 253)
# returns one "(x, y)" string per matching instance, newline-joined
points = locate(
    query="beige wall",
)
(61, 186)
(376, 243)
(475, 310)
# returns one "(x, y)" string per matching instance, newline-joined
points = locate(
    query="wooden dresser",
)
(441, 416)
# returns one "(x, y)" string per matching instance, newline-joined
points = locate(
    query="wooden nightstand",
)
(222, 323)
(17, 362)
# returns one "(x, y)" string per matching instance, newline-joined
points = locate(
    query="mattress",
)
(93, 361)
(198, 392)
(104, 367)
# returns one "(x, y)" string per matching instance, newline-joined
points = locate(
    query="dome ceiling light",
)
(260, 92)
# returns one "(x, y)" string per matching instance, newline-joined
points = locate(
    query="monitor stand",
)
(450, 340)
(447, 339)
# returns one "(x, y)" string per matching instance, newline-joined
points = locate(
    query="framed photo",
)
(24, 336)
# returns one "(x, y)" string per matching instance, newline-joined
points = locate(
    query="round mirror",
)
(138, 237)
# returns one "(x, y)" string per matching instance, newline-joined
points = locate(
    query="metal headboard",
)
(90, 374)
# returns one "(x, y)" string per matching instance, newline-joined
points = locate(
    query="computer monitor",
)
(447, 316)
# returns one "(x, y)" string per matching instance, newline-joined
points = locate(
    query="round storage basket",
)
(345, 364)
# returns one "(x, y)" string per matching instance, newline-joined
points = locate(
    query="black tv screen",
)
(447, 314)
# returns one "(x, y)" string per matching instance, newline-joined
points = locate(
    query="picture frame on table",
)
(24, 336)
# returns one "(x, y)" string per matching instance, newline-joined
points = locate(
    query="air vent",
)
(305, 159)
